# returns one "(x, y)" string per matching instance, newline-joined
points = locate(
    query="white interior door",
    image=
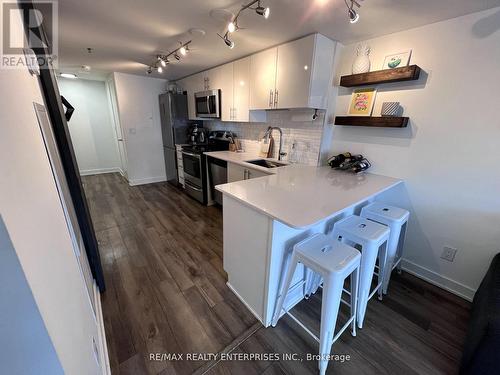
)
(66, 201)
(117, 125)
(263, 73)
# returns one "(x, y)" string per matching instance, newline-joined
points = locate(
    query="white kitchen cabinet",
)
(293, 73)
(263, 82)
(236, 172)
(191, 85)
(221, 78)
(241, 90)
(301, 77)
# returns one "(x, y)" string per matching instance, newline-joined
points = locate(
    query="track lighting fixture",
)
(232, 26)
(162, 60)
(226, 40)
(351, 12)
(261, 11)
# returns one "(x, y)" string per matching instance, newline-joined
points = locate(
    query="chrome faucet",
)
(267, 134)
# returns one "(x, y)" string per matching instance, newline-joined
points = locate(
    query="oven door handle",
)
(192, 186)
(197, 156)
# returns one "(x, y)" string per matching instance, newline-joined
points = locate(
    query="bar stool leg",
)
(400, 248)
(332, 292)
(284, 290)
(368, 260)
(354, 298)
(384, 269)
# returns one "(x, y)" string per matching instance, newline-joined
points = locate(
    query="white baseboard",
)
(88, 172)
(149, 180)
(434, 278)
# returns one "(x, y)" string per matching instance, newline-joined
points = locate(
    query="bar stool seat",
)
(333, 262)
(397, 220)
(372, 237)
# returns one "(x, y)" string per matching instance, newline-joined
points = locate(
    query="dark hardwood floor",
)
(162, 258)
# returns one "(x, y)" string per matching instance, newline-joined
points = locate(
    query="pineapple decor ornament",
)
(361, 63)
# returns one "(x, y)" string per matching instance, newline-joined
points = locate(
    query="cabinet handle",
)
(271, 98)
(248, 174)
(276, 99)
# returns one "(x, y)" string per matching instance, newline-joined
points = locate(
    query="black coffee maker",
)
(197, 135)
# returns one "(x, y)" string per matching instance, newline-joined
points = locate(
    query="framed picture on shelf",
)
(362, 101)
(397, 60)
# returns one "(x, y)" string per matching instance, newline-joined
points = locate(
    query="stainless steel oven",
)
(193, 175)
(208, 103)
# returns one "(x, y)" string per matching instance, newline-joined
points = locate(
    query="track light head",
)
(183, 51)
(159, 69)
(226, 40)
(261, 11)
(177, 57)
(229, 42)
(163, 63)
(231, 27)
(150, 70)
(353, 16)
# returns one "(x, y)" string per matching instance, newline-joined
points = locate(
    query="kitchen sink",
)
(266, 163)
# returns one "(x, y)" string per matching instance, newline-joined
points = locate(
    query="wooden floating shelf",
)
(406, 73)
(377, 122)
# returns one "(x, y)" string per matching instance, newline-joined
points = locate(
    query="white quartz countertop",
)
(242, 159)
(301, 196)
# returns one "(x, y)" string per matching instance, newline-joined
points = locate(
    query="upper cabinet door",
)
(191, 85)
(294, 69)
(241, 90)
(221, 78)
(263, 82)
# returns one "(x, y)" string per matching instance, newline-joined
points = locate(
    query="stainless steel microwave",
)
(208, 103)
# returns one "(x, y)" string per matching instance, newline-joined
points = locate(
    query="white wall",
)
(35, 221)
(449, 156)
(139, 109)
(91, 127)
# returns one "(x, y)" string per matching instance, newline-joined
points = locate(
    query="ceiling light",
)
(353, 16)
(183, 51)
(261, 11)
(160, 69)
(231, 27)
(163, 63)
(229, 42)
(69, 75)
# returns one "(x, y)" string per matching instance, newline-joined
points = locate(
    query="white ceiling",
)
(126, 35)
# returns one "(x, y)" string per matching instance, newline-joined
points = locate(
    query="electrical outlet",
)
(448, 253)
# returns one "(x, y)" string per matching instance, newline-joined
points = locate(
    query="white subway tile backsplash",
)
(301, 134)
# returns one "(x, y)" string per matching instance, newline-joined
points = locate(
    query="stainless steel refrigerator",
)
(174, 128)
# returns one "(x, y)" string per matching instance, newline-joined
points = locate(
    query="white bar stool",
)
(372, 237)
(334, 262)
(397, 220)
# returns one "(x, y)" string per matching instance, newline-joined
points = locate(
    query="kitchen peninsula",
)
(264, 217)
